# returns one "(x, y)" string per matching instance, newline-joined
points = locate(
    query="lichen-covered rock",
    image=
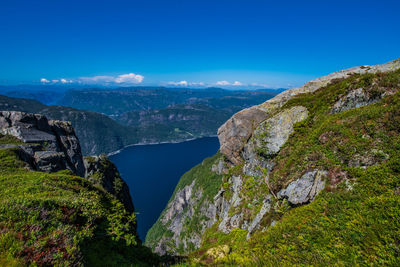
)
(370, 158)
(304, 189)
(56, 137)
(256, 221)
(268, 138)
(218, 252)
(101, 171)
(237, 130)
(355, 99)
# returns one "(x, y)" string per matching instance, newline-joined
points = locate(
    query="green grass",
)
(60, 219)
(10, 140)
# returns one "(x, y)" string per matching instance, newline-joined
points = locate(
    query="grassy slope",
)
(60, 219)
(356, 219)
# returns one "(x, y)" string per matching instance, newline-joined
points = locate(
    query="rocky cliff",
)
(51, 146)
(102, 172)
(289, 172)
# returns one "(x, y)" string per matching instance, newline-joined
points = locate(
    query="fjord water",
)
(153, 171)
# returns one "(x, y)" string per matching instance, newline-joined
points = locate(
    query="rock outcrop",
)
(354, 99)
(51, 146)
(304, 189)
(101, 171)
(268, 138)
(58, 148)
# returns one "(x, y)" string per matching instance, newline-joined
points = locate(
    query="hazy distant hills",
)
(107, 120)
(46, 94)
(118, 101)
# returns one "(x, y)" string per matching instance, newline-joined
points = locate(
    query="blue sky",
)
(193, 42)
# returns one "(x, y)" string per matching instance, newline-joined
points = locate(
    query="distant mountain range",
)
(118, 101)
(107, 120)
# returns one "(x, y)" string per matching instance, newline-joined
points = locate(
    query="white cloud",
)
(223, 83)
(65, 81)
(226, 83)
(197, 84)
(123, 79)
(186, 83)
(181, 83)
(130, 78)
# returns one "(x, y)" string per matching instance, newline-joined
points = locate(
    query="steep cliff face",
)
(101, 171)
(189, 213)
(284, 169)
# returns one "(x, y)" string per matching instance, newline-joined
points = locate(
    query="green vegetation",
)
(204, 176)
(60, 219)
(356, 219)
(208, 183)
(9, 140)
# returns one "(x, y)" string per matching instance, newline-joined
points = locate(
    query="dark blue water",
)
(153, 171)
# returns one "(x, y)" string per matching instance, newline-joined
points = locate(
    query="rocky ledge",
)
(51, 146)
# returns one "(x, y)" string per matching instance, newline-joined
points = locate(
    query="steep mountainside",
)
(176, 122)
(56, 208)
(311, 176)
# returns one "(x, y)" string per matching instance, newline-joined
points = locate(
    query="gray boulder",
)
(268, 138)
(355, 99)
(304, 189)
